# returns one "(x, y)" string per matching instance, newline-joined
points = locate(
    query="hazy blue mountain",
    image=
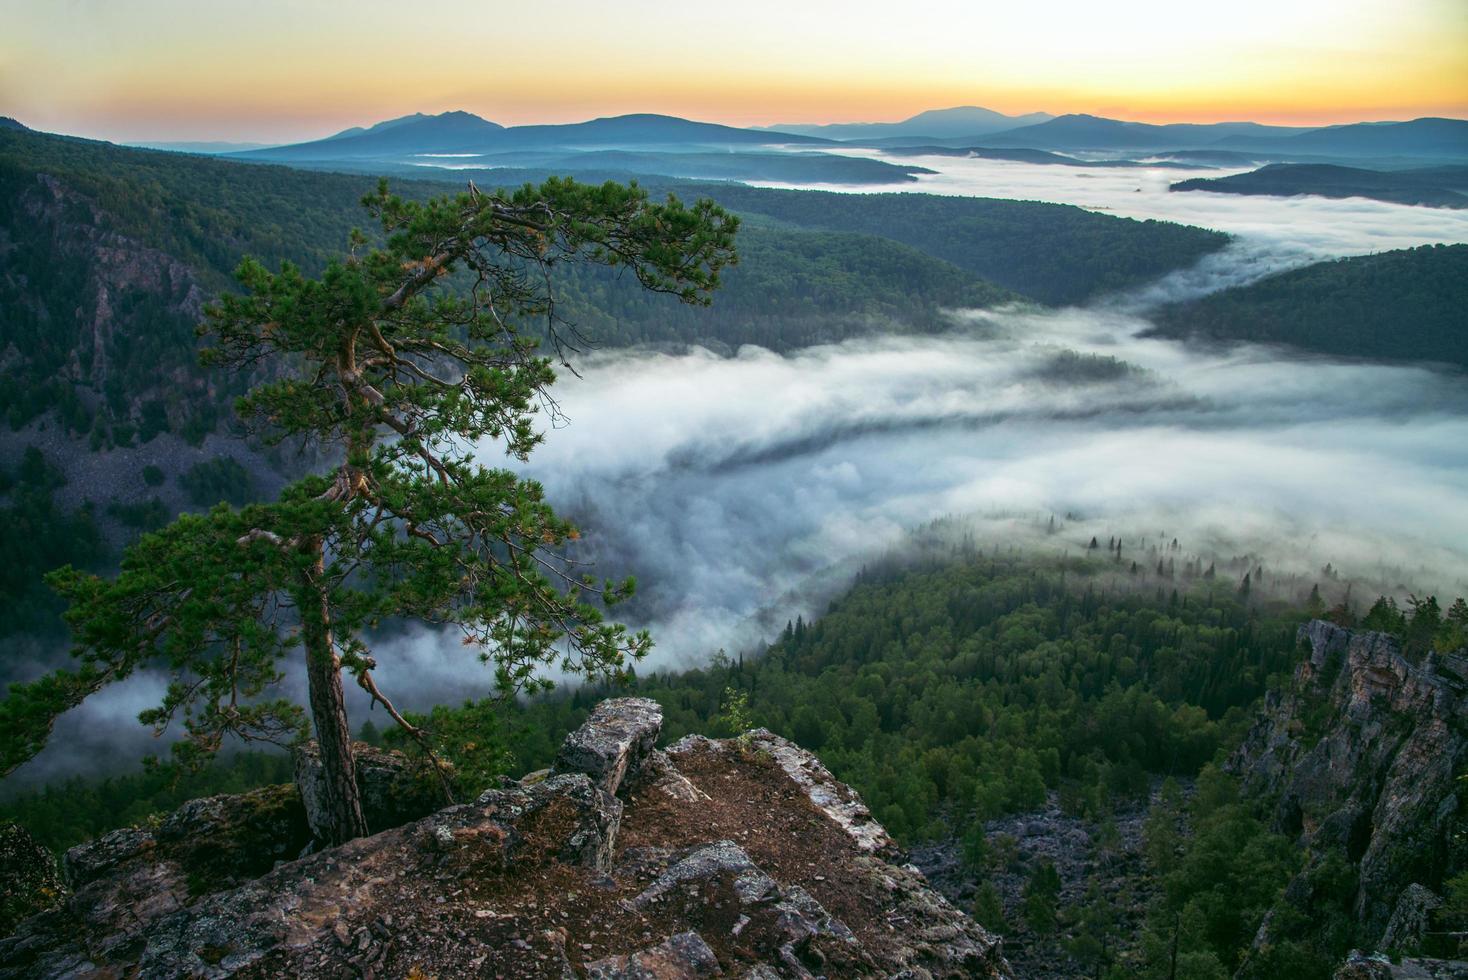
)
(1022, 155)
(7, 123)
(1086, 132)
(1430, 137)
(464, 132)
(1437, 187)
(965, 121)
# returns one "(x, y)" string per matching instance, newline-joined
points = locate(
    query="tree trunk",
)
(343, 801)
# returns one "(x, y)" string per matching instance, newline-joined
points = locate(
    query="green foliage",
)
(1041, 896)
(733, 717)
(988, 911)
(39, 536)
(153, 476)
(145, 515)
(220, 478)
(1400, 305)
(1215, 894)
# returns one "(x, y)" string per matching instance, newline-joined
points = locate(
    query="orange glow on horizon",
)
(279, 72)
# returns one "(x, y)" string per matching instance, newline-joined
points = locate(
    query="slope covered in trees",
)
(1437, 187)
(111, 252)
(1055, 253)
(1402, 305)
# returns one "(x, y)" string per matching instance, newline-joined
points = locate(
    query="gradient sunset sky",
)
(277, 71)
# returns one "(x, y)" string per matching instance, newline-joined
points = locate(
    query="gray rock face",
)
(29, 881)
(1361, 753)
(395, 789)
(620, 733)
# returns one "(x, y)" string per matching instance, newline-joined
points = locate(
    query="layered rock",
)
(1362, 754)
(741, 858)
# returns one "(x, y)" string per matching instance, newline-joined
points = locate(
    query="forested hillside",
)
(1404, 305)
(957, 689)
(1436, 187)
(1055, 253)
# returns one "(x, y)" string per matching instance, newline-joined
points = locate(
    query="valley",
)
(1052, 529)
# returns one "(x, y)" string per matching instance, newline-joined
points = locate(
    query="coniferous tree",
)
(399, 361)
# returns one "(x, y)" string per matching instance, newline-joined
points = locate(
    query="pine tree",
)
(399, 360)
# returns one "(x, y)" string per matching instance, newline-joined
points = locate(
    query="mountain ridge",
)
(464, 132)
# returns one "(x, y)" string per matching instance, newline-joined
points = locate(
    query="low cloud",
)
(743, 491)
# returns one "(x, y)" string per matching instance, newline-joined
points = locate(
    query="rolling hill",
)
(1436, 187)
(1404, 305)
(1427, 137)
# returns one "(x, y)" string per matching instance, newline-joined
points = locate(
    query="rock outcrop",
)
(1362, 755)
(740, 858)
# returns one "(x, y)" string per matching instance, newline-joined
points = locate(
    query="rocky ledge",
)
(1362, 754)
(738, 858)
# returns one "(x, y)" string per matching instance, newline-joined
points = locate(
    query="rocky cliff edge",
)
(734, 858)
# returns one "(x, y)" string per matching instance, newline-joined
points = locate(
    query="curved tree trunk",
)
(341, 799)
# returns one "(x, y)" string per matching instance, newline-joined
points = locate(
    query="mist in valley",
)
(744, 491)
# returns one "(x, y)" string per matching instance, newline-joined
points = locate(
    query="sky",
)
(286, 70)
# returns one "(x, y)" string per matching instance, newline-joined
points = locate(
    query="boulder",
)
(613, 742)
(1410, 919)
(395, 789)
(29, 881)
(684, 956)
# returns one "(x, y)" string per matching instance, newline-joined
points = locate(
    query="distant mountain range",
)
(965, 122)
(441, 139)
(464, 132)
(1430, 137)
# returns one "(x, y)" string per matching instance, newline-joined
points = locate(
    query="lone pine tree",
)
(400, 360)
